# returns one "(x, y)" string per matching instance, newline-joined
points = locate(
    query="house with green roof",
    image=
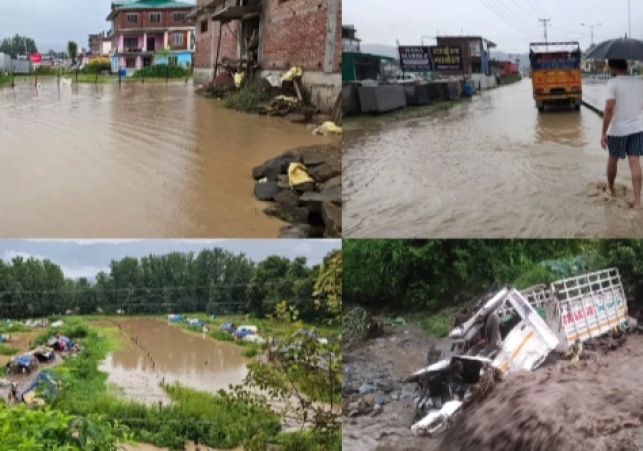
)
(148, 32)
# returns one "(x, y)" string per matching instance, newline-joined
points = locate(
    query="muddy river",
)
(159, 352)
(151, 160)
(490, 167)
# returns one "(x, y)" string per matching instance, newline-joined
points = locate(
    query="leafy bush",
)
(7, 350)
(49, 429)
(97, 67)
(162, 71)
(249, 97)
(47, 70)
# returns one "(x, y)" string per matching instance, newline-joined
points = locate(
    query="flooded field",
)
(159, 352)
(490, 167)
(151, 160)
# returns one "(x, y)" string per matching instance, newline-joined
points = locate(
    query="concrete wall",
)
(324, 88)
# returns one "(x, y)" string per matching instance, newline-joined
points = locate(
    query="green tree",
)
(18, 45)
(72, 50)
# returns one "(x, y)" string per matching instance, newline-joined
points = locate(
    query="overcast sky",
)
(512, 24)
(52, 23)
(85, 258)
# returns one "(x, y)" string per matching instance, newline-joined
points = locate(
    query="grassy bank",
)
(409, 112)
(217, 420)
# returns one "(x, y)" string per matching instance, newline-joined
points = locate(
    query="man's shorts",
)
(622, 146)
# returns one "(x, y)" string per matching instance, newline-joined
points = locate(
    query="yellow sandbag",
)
(329, 128)
(297, 174)
(293, 73)
(238, 79)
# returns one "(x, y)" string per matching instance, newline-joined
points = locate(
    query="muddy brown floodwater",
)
(152, 160)
(160, 352)
(564, 406)
(490, 167)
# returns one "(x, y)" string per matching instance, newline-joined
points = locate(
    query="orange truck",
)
(555, 74)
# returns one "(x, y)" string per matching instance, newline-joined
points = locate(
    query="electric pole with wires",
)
(545, 22)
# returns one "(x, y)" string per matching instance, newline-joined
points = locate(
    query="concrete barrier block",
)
(383, 98)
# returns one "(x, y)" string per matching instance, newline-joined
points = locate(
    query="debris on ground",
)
(274, 96)
(305, 186)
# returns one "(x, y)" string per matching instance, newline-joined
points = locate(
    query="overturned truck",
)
(533, 323)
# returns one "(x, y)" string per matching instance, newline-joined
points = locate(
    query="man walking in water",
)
(623, 126)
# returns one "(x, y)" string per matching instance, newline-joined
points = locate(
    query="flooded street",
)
(489, 167)
(152, 160)
(160, 352)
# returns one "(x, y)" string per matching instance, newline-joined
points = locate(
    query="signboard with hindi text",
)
(446, 58)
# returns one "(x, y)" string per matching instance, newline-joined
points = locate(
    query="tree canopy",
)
(18, 45)
(214, 280)
(430, 275)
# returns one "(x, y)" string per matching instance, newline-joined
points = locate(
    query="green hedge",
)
(162, 71)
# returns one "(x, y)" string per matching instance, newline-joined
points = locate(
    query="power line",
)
(502, 16)
(539, 9)
(509, 13)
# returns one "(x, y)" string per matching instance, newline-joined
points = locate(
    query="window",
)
(177, 39)
(130, 63)
(130, 43)
(132, 18)
(172, 60)
(155, 18)
(178, 17)
(204, 26)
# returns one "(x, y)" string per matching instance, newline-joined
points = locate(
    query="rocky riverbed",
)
(304, 186)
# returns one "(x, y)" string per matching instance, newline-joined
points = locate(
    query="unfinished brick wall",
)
(206, 46)
(295, 34)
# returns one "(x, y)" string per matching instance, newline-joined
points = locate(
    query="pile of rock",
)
(314, 207)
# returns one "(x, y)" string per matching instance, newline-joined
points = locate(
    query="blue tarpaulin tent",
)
(47, 378)
(174, 318)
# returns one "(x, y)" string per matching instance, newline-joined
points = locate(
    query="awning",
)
(236, 13)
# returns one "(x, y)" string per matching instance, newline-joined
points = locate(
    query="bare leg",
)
(612, 165)
(635, 166)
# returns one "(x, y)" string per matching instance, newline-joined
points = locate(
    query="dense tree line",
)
(18, 45)
(215, 281)
(430, 275)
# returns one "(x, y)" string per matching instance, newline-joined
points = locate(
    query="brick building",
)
(303, 33)
(476, 52)
(141, 29)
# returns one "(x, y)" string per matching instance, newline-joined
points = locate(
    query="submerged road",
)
(489, 167)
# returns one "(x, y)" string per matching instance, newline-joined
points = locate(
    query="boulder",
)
(288, 200)
(335, 181)
(267, 190)
(272, 168)
(332, 216)
(304, 187)
(332, 194)
(300, 231)
(326, 171)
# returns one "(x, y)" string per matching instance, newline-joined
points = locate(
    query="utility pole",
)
(545, 22)
(591, 31)
(629, 19)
